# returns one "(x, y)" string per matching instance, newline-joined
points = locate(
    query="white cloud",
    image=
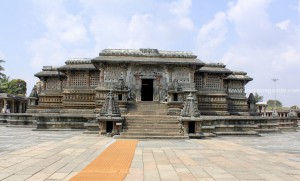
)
(66, 28)
(167, 24)
(63, 30)
(46, 52)
(284, 25)
(181, 8)
(211, 36)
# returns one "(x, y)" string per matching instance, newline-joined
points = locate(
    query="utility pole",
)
(275, 100)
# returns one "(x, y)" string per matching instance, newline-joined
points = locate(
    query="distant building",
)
(12, 103)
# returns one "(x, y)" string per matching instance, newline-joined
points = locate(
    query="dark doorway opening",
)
(120, 97)
(192, 127)
(147, 89)
(175, 97)
(109, 126)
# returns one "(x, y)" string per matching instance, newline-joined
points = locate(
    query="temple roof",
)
(238, 75)
(78, 64)
(215, 68)
(148, 56)
(49, 71)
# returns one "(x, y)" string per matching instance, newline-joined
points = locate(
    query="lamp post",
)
(274, 111)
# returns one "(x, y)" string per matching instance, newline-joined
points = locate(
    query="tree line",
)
(14, 86)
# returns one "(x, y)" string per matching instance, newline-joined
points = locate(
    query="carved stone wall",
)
(94, 78)
(135, 74)
(237, 101)
(53, 84)
(78, 78)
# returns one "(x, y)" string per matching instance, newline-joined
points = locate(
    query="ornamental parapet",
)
(146, 52)
(78, 61)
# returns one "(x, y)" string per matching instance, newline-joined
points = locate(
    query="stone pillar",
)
(186, 127)
(198, 128)
(138, 87)
(102, 127)
(20, 107)
(4, 106)
(170, 71)
(68, 78)
(204, 80)
(222, 81)
(101, 68)
(87, 76)
(60, 84)
(12, 109)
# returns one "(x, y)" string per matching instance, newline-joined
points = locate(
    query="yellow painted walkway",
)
(112, 164)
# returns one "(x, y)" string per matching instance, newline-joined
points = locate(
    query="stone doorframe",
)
(156, 85)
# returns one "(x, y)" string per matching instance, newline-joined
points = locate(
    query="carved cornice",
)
(78, 61)
(147, 53)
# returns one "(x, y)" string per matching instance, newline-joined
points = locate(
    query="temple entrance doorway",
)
(192, 127)
(147, 89)
(109, 126)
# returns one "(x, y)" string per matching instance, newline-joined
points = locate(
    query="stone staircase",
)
(148, 120)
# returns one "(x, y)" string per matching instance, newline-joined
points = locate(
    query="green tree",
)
(17, 86)
(1, 70)
(294, 107)
(4, 83)
(258, 98)
(271, 103)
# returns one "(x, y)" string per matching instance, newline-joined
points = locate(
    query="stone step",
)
(150, 130)
(146, 113)
(156, 117)
(151, 134)
(152, 137)
(150, 126)
(287, 129)
(149, 122)
(147, 108)
(273, 130)
(237, 133)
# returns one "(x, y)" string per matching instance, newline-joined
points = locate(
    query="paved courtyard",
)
(52, 155)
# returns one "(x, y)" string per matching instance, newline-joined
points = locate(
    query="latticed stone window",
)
(213, 81)
(53, 84)
(94, 78)
(182, 75)
(78, 79)
(198, 81)
(236, 85)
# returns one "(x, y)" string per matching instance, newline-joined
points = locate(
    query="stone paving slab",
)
(60, 155)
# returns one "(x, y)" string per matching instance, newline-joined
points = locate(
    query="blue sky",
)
(261, 37)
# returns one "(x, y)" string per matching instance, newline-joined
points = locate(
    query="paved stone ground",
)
(32, 155)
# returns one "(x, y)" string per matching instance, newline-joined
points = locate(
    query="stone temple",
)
(147, 93)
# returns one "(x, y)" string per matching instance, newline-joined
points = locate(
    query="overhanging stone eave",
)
(216, 72)
(39, 75)
(66, 68)
(147, 60)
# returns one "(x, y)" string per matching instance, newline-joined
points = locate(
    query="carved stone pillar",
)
(87, 77)
(204, 80)
(20, 107)
(186, 128)
(68, 78)
(101, 69)
(156, 95)
(198, 127)
(12, 109)
(138, 86)
(170, 71)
